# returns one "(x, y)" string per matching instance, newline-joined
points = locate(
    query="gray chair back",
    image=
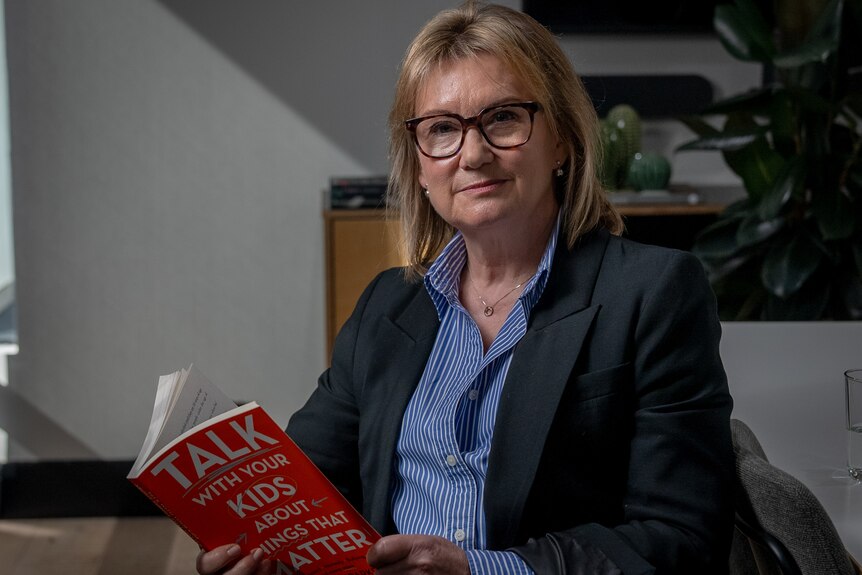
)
(771, 504)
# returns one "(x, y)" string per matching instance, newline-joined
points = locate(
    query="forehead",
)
(466, 85)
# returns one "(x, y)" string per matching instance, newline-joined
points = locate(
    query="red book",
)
(231, 474)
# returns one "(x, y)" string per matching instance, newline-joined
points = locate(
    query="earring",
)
(559, 172)
(427, 193)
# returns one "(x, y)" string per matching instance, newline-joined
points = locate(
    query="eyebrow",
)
(498, 102)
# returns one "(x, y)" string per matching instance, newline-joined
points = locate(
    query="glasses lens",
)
(439, 136)
(507, 126)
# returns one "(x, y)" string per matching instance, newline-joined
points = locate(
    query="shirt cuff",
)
(496, 563)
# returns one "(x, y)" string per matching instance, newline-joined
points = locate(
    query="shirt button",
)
(460, 535)
(451, 460)
(473, 394)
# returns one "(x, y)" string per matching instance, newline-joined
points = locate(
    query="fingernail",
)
(257, 554)
(232, 550)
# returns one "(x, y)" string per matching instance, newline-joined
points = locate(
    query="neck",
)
(495, 261)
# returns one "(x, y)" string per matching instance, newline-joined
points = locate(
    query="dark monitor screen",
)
(627, 16)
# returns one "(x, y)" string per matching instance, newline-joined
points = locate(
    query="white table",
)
(788, 386)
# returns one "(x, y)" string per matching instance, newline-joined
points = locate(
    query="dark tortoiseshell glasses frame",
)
(474, 121)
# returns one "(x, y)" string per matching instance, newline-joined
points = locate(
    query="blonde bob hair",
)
(535, 57)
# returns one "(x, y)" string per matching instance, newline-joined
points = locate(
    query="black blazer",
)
(611, 449)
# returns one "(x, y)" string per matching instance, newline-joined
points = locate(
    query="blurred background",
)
(165, 182)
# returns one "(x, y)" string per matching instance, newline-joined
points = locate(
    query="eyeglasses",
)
(505, 126)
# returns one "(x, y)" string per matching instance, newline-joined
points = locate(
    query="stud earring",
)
(559, 171)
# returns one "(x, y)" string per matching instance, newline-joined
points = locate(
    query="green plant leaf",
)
(739, 131)
(753, 230)
(717, 241)
(808, 304)
(718, 271)
(756, 102)
(788, 183)
(783, 123)
(739, 208)
(699, 126)
(743, 31)
(723, 141)
(833, 212)
(757, 164)
(820, 43)
(788, 264)
(818, 51)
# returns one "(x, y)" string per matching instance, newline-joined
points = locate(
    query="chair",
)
(781, 528)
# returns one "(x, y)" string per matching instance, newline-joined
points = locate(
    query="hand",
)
(424, 554)
(226, 560)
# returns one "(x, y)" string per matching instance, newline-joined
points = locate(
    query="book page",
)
(184, 399)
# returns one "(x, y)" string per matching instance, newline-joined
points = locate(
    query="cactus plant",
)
(625, 119)
(648, 172)
(612, 156)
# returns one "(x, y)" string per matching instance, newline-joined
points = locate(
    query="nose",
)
(475, 151)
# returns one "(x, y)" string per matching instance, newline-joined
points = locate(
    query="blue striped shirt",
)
(442, 452)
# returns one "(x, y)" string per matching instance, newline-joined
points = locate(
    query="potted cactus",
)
(624, 164)
(792, 249)
(621, 140)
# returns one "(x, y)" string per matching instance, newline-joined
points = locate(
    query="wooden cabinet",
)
(359, 244)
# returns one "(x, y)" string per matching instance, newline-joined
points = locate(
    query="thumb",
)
(387, 550)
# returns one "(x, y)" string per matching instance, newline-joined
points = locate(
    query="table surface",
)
(791, 394)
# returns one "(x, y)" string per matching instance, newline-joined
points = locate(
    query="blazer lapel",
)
(540, 369)
(404, 342)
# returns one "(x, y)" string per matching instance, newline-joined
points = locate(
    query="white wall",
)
(788, 376)
(167, 160)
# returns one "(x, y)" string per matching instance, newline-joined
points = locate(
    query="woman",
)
(545, 396)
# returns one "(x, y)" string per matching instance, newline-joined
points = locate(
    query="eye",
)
(502, 115)
(443, 127)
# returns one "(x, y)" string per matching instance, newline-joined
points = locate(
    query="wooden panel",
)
(359, 245)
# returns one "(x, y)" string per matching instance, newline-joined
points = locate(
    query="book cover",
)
(238, 477)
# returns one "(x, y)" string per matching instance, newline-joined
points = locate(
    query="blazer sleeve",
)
(327, 426)
(678, 508)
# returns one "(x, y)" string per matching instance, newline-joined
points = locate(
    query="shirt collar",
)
(443, 278)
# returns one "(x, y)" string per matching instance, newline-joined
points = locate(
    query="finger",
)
(249, 565)
(212, 561)
(264, 568)
(389, 550)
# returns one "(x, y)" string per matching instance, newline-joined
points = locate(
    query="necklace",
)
(489, 309)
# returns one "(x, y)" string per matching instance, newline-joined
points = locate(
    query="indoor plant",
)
(792, 249)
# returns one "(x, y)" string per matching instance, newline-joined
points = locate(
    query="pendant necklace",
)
(489, 309)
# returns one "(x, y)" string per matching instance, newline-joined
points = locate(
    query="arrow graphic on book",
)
(243, 537)
(318, 502)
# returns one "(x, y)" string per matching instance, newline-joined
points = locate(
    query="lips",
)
(483, 185)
